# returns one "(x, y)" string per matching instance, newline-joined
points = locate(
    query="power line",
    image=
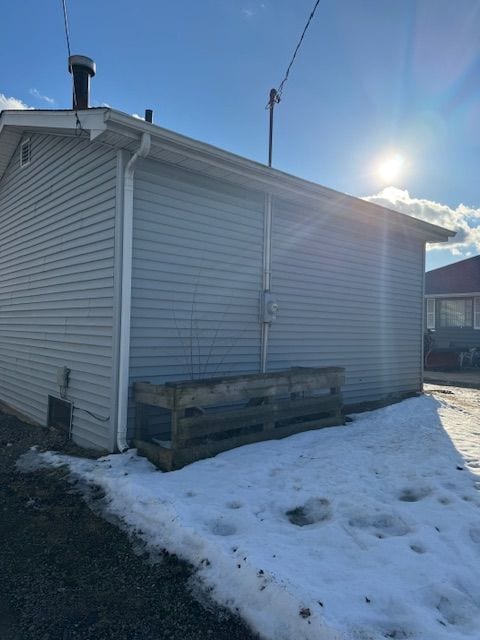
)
(310, 18)
(65, 22)
(276, 94)
(78, 128)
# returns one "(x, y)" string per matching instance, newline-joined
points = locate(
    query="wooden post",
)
(140, 421)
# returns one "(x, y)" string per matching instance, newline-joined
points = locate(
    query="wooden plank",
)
(158, 395)
(183, 456)
(187, 393)
(296, 372)
(159, 456)
(280, 410)
(209, 394)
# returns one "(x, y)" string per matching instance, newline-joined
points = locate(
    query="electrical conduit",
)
(267, 274)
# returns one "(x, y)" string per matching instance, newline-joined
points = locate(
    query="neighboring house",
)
(453, 304)
(128, 252)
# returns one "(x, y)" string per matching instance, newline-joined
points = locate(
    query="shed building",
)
(131, 253)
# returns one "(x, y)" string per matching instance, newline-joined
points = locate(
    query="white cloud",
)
(464, 220)
(11, 103)
(135, 115)
(253, 9)
(248, 13)
(36, 94)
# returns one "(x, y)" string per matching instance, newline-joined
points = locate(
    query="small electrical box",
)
(63, 376)
(269, 307)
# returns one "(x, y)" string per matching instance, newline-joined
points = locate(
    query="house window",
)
(476, 313)
(25, 153)
(431, 313)
(455, 312)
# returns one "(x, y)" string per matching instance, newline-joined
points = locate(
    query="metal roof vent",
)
(25, 153)
(82, 69)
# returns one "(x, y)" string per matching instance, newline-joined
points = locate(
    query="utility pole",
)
(273, 100)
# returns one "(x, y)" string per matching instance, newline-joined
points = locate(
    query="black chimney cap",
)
(83, 62)
(82, 69)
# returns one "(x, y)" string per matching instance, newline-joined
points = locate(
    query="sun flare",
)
(390, 168)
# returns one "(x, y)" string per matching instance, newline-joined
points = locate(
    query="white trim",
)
(468, 294)
(476, 312)
(41, 120)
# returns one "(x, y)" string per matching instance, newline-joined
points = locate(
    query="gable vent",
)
(25, 153)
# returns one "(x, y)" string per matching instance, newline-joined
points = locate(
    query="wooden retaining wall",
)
(217, 414)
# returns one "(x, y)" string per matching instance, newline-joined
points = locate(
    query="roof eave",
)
(101, 120)
(271, 178)
(91, 120)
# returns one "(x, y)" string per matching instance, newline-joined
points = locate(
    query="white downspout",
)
(422, 346)
(126, 291)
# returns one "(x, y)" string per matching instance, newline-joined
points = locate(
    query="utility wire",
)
(78, 128)
(276, 94)
(310, 18)
(65, 22)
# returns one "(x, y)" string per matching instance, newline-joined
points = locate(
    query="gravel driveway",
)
(66, 573)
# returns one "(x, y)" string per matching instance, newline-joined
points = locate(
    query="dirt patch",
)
(67, 574)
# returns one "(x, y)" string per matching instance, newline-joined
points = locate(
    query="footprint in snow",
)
(414, 494)
(234, 504)
(314, 510)
(475, 534)
(220, 528)
(382, 525)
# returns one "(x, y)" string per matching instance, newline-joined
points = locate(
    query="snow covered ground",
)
(362, 532)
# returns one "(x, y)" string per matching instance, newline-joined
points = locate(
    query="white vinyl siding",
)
(343, 286)
(56, 281)
(197, 275)
(430, 313)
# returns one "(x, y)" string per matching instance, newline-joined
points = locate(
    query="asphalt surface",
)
(469, 378)
(68, 574)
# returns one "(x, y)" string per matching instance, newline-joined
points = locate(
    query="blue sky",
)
(374, 79)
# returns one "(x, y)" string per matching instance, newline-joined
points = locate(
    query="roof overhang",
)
(119, 130)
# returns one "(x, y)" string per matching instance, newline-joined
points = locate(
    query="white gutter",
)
(126, 291)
